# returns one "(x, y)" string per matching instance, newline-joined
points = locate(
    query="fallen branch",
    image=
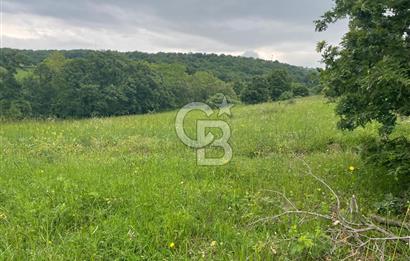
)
(291, 212)
(355, 235)
(390, 222)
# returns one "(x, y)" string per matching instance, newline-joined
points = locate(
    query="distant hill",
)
(225, 67)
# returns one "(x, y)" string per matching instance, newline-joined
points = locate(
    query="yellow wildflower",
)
(351, 168)
(213, 243)
(3, 216)
(172, 245)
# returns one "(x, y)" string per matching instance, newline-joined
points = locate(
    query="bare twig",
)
(405, 238)
(338, 206)
(283, 196)
(390, 222)
(291, 212)
(345, 232)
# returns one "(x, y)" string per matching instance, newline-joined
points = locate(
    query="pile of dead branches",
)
(360, 234)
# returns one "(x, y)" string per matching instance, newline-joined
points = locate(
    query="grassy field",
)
(126, 187)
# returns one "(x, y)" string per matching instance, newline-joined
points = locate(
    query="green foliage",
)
(308, 244)
(274, 86)
(369, 76)
(176, 81)
(225, 67)
(23, 74)
(370, 71)
(84, 83)
(393, 204)
(107, 85)
(313, 82)
(393, 156)
(238, 86)
(103, 84)
(12, 98)
(286, 96)
(205, 84)
(15, 109)
(256, 91)
(300, 90)
(217, 99)
(279, 82)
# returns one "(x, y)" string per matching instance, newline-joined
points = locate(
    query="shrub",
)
(216, 99)
(300, 90)
(286, 96)
(391, 157)
(256, 91)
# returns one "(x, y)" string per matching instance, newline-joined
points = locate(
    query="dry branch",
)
(360, 237)
(389, 222)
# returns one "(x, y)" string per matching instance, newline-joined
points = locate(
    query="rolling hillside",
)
(126, 187)
(225, 67)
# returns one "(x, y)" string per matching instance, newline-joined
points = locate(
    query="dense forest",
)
(86, 83)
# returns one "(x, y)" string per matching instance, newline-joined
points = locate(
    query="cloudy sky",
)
(269, 29)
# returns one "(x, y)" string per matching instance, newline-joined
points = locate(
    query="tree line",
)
(78, 84)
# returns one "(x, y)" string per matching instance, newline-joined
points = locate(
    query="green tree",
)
(369, 72)
(12, 97)
(299, 90)
(238, 86)
(256, 91)
(313, 82)
(206, 84)
(279, 82)
(175, 80)
(43, 83)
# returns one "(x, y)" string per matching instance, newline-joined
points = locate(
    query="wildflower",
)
(131, 234)
(213, 243)
(3, 216)
(351, 168)
(172, 245)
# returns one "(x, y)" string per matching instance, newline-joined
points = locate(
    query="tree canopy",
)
(369, 72)
(85, 83)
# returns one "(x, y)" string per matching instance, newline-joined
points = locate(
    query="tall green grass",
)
(126, 187)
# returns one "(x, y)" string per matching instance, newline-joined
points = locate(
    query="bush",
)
(300, 90)
(391, 158)
(286, 96)
(215, 100)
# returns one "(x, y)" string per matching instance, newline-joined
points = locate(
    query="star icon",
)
(225, 107)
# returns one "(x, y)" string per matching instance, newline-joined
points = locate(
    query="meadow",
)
(127, 188)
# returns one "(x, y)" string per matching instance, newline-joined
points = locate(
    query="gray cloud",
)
(281, 29)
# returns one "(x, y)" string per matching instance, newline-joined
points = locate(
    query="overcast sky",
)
(269, 29)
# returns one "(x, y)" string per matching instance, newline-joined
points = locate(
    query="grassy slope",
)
(127, 187)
